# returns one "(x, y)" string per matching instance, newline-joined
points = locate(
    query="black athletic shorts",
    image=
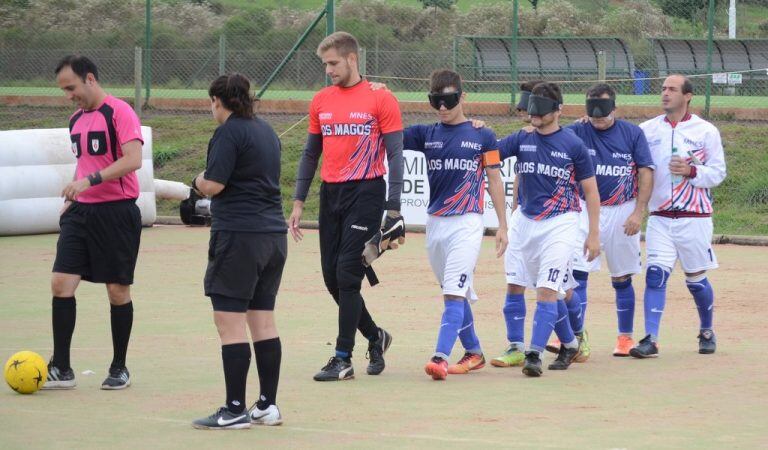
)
(244, 270)
(99, 241)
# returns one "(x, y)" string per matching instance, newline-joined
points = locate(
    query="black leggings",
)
(350, 214)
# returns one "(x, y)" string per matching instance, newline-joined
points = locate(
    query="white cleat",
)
(270, 416)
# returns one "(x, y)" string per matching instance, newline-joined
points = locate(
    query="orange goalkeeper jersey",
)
(352, 121)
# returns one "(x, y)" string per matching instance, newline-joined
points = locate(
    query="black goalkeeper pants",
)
(350, 214)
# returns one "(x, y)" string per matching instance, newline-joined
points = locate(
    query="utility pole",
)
(732, 20)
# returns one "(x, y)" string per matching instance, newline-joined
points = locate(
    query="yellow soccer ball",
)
(26, 372)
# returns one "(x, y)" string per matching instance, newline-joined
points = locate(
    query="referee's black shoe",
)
(376, 350)
(707, 342)
(118, 378)
(337, 369)
(59, 378)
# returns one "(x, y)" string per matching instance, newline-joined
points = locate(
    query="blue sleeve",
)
(576, 128)
(641, 153)
(582, 162)
(413, 138)
(489, 140)
(510, 145)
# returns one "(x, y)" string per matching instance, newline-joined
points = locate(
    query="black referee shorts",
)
(99, 241)
(245, 270)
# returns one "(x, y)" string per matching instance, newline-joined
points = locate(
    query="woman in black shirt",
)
(247, 250)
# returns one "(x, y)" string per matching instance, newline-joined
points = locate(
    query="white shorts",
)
(514, 267)
(546, 247)
(453, 246)
(688, 239)
(622, 252)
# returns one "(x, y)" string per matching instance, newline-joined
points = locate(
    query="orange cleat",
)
(468, 362)
(437, 368)
(623, 345)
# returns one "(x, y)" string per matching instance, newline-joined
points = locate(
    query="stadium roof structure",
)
(549, 57)
(728, 55)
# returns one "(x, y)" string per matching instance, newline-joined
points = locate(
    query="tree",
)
(442, 4)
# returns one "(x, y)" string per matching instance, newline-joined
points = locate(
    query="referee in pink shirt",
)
(100, 222)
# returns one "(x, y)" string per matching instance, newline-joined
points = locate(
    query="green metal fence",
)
(181, 46)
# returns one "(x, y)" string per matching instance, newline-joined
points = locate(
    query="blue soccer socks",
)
(625, 305)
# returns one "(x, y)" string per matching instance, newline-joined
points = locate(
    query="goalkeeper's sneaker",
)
(624, 344)
(553, 346)
(532, 366)
(118, 378)
(376, 350)
(223, 419)
(269, 416)
(584, 349)
(59, 378)
(646, 348)
(437, 368)
(467, 363)
(707, 342)
(337, 369)
(511, 357)
(565, 357)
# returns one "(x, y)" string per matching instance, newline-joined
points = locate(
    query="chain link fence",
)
(633, 45)
(165, 64)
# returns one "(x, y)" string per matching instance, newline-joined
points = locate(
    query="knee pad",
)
(580, 275)
(656, 277)
(622, 284)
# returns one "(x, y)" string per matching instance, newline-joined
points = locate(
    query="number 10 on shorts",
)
(553, 273)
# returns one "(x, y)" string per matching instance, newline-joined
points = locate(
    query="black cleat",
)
(337, 369)
(532, 366)
(59, 378)
(376, 350)
(707, 342)
(565, 357)
(118, 378)
(645, 349)
(223, 419)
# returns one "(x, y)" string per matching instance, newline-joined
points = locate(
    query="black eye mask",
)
(600, 107)
(450, 100)
(522, 105)
(541, 106)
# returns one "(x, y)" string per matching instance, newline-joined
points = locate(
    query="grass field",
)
(721, 101)
(681, 400)
(180, 140)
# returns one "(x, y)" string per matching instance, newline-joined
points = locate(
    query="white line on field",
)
(290, 428)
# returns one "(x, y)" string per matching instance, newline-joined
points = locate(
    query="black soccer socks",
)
(236, 359)
(268, 355)
(63, 321)
(122, 322)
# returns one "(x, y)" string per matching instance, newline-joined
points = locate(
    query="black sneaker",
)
(59, 378)
(707, 342)
(337, 369)
(376, 350)
(223, 419)
(532, 366)
(646, 348)
(118, 378)
(564, 358)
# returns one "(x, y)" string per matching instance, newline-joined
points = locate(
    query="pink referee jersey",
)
(97, 138)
